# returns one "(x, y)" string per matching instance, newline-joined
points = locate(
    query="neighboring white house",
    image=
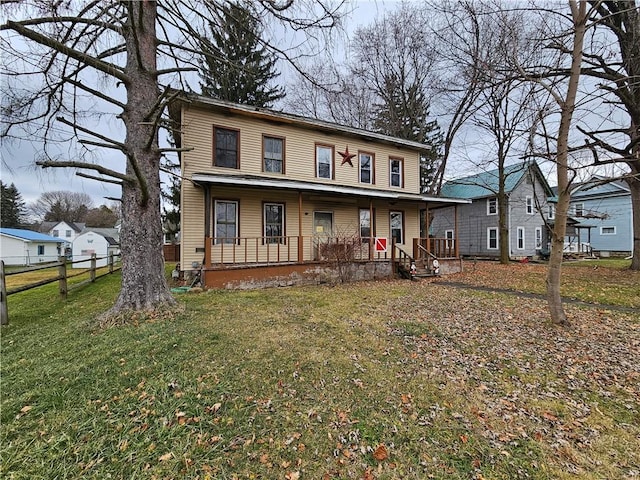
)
(26, 247)
(68, 231)
(98, 241)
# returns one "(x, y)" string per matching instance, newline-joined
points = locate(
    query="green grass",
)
(311, 381)
(606, 282)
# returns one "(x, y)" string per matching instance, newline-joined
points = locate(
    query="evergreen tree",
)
(171, 207)
(404, 113)
(12, 207)
(236, 66)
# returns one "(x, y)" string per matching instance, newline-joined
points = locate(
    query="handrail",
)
(420, 247)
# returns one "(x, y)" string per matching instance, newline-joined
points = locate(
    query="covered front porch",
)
(339, 233)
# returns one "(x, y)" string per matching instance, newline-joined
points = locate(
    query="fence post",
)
(111, 262)
(62, 276)
(92, 272)
(4, 312)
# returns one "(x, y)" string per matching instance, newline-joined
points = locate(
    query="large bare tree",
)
(615, 65)
(122, 57)
(563, 90)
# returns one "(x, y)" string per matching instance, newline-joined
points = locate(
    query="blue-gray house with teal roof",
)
(603, 208)
(477, 224)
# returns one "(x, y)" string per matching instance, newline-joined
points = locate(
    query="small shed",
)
(100, 242)
(26, 247)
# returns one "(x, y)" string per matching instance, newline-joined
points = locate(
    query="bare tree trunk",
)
(558, 316)
(634, 187)
(503, 223)
(141, 264)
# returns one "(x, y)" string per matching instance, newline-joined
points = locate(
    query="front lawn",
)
(384, 380)
(606, 282)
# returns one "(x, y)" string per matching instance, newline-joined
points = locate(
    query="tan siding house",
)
(263, 190)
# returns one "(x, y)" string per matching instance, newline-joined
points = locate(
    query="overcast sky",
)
(18, 158)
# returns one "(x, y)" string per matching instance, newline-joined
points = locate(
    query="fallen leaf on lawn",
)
(368, 475)
(165, 457)
(381, 453)
(292, 475)
(26, 408)
(550, 416)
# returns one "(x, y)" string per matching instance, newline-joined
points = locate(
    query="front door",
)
(322, 231)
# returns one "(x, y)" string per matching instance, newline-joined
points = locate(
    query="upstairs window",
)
(67, 233)
(56, 233)
(608, 230)
(324, 161)
(529, 205)
(273, 154)
(551, 211)
(366, 161)
(492, 206)
(225, 148)
(576, 210)
(395, 172)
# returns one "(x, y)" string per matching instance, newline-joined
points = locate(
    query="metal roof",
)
(485, 184)
(30, 235)
(319, 188)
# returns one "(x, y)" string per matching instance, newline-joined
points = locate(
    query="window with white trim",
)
(492, 238)
(529, 202)
(538, 238)
(448, 234)
(40, 250)
(551, 211)
(578, 209)
(492, 206)
(273, 222)
(324, 161)
(56, 233)
(395, 172)
(397, 222)
(366, 161)
(608, 230)
(67, 233)
(520, 238)
(225, 221)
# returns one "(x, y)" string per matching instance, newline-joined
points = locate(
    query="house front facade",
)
(477, 224)
(603, 208)
(26, 247)
(268, 189)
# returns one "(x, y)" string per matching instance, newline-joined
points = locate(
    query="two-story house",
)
(267, 194)
(67, 231)
(603, 208)
(477, 225)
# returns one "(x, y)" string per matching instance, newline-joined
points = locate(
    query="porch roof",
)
(320, 188)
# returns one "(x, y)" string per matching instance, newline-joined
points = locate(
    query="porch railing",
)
(246, 251)
(437, 247)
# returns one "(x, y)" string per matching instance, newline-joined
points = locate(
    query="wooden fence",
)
(62, 277)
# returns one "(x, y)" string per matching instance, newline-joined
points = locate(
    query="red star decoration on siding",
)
(346, 156)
